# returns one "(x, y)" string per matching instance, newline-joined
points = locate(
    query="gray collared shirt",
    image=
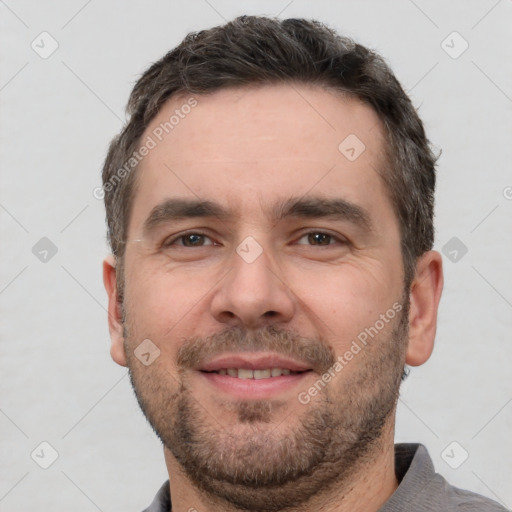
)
(421, 489)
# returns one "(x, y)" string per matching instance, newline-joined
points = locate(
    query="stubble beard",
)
(258, 465)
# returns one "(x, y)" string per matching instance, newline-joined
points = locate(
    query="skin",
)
(249, 149)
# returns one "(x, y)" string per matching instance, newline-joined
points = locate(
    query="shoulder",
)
(462, 500)
(424, 490)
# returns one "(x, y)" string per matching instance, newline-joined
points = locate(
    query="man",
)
(269, 209)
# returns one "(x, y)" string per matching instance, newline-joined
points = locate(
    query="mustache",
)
(314, 353)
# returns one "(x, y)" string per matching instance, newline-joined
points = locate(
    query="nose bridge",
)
(253, 290)
(252, 273)
(253, 264)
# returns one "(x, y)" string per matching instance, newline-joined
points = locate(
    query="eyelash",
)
(170, 242)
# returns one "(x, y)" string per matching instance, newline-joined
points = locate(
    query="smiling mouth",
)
(247, 373)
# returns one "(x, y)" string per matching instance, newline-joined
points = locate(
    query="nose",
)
(253, 294)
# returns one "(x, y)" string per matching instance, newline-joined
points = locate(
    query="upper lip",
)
(252, 361)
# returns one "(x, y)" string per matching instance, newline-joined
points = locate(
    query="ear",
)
(425, 295)
(115, 323)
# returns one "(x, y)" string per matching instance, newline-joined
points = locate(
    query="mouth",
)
(252, 375)
(248, 373)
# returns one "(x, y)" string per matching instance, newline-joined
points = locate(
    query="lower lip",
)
(256, 389)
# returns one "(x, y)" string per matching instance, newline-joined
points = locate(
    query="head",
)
(270, 205)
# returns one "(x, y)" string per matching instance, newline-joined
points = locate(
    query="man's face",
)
(254, 296)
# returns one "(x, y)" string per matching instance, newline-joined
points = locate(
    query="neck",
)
(369, 487)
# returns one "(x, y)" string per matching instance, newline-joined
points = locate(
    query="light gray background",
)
(58, 383)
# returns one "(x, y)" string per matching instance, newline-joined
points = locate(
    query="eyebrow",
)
(322, 207)
(174, 209)
(177, 209)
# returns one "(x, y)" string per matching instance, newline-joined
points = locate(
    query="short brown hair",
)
(259, 50)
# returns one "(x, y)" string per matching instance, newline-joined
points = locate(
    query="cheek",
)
(340, 302)
(163, 306)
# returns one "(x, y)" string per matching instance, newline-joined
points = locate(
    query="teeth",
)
(262, 374)
(245, 373)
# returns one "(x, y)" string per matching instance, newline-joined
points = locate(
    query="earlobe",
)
(425, 295)
(115, 323)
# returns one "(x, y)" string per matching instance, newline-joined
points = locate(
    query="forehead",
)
(276, 117)
(273, 140)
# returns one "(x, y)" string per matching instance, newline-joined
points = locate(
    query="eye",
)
(189, 240)
(318, 238)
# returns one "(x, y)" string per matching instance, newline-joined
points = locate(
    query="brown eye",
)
(319, 238)
(193, 240)
(189, 240)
